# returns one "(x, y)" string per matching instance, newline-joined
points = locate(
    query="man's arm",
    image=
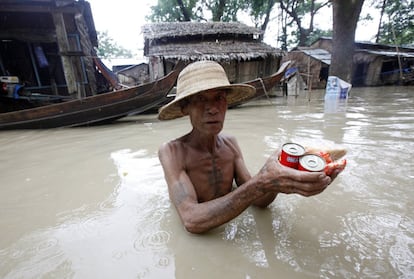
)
(242, 175)
(285, 180)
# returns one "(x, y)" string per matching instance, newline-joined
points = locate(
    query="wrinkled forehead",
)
(204, 94)
(210, 92)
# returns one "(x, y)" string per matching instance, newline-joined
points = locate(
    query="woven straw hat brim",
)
(235, 93)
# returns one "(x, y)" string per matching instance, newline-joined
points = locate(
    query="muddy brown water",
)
(92, 202)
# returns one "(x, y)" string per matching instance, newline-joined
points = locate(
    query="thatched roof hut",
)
(204, 29)
(235, 45)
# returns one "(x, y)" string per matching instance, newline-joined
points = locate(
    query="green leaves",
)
(108, 48)
(397, 24)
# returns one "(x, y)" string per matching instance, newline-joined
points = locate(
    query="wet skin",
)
(200, 168)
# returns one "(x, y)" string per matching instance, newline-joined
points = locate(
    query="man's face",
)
(207, 111)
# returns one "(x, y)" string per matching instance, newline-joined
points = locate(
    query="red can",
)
(291, 152)
(312, 163)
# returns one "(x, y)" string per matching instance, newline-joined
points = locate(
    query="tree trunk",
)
(269, 7)
(218, 13)
(345, 19)
(184, 10)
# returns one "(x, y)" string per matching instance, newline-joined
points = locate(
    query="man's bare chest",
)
(211, 175)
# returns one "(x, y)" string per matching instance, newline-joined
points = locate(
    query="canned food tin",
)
(312, 163)
(290, 154)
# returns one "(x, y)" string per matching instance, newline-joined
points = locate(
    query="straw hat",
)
(199, 77)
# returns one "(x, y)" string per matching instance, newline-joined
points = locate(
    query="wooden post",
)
(88, 51)
(398, 53)
(156, 69)
(63, 44)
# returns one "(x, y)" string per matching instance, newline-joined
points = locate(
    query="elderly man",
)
(200, 167)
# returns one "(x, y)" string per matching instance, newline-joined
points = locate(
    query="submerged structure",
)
(374, 64)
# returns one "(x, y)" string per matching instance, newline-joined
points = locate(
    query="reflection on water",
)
(92, 202)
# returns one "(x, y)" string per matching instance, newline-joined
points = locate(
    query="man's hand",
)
(280, 179)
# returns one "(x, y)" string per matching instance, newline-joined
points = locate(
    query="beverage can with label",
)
(291, 152)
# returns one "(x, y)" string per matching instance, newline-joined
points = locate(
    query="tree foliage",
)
(397, 22)
(173, 11)
(295, 18)
(108, 48)
(260, 12)
(295, 13)
(196, 10)
(298, 11)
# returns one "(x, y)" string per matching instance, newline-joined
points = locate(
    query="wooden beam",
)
(12, 7)
(77, 53)
(88, 50)
(63, 44)
(39, 36)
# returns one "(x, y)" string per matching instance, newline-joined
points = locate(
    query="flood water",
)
(92, 202)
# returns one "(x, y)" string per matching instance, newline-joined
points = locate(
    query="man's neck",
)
(208, 143)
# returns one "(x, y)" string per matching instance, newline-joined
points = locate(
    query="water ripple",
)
(366, 237)
(154, 240)
(47, 244)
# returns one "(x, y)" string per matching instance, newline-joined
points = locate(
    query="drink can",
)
(291, 152)
(312, 163)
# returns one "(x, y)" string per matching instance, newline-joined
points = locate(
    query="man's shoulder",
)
(171, 150)
(230, 142)
(172, 144)
(228, 138)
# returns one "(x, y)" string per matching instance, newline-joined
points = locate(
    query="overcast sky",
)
(122, 19)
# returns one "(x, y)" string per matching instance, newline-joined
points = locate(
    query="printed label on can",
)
(290, 154)
(312, 163)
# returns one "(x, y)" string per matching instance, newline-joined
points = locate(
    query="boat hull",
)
(92, 110)
(264, 85)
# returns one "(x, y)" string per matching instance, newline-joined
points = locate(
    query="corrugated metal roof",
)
(388, 53)
(319, 54)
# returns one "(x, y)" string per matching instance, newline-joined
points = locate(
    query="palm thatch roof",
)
(184, 29)
(211, 40)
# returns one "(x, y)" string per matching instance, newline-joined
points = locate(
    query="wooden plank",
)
(63, 44)
(29, 35)
(89, 52)
(32, 8)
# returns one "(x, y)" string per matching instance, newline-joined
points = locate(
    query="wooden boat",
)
(8, 104)
(264, 85)
(94, 109)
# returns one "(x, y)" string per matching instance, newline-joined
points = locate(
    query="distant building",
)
(234, 45)
(133, 74)
(313, 65)
(374, 64)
